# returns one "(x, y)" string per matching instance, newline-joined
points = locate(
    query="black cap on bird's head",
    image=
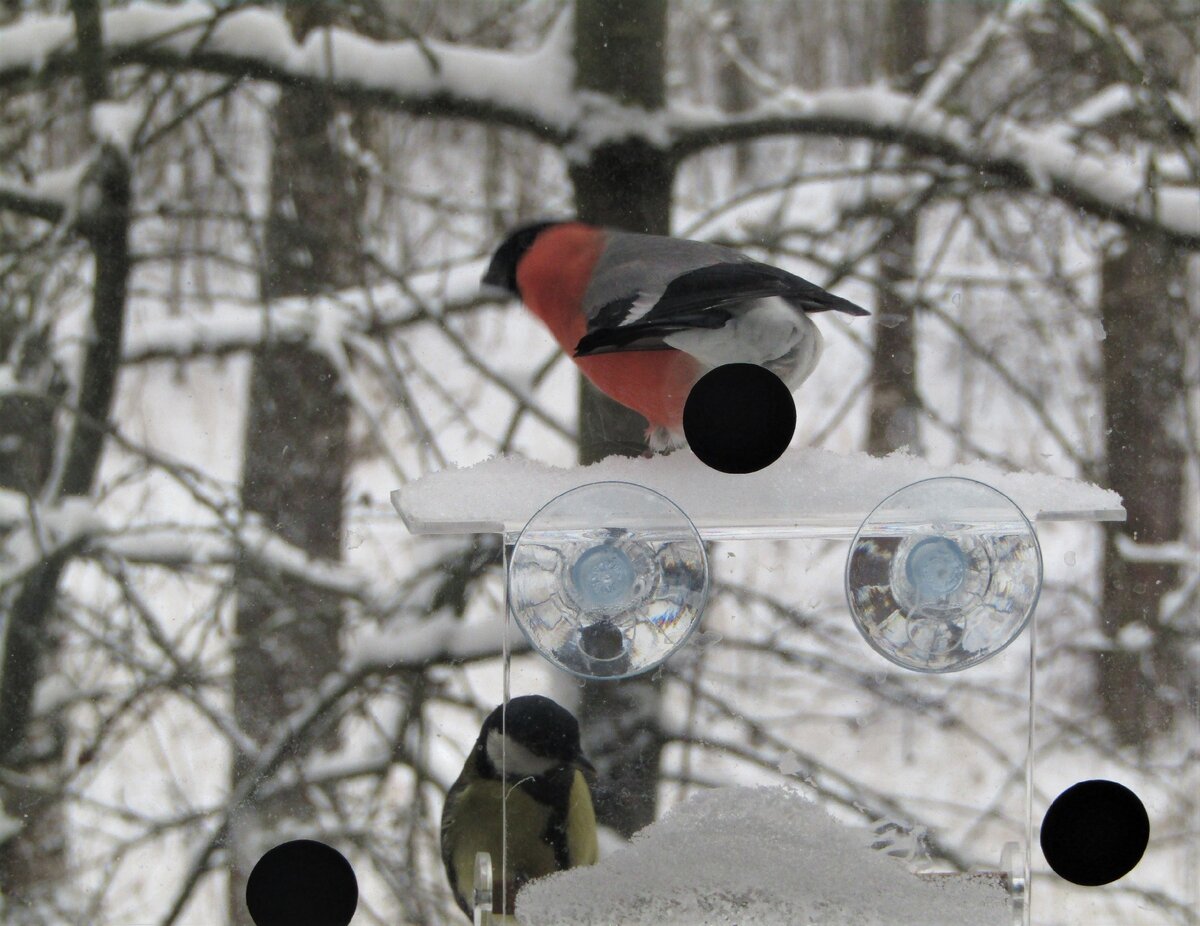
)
(544, 731)
(502, 271)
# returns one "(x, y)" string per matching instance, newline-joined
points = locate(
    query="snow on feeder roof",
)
(813, 493)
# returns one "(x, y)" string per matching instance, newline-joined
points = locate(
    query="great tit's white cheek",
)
(505, 752)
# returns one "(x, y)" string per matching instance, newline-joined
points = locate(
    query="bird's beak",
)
(582, 762)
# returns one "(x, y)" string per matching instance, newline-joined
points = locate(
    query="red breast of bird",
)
(554, 276)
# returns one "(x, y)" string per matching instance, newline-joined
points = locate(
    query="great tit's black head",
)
(502, 271)
(538, 736)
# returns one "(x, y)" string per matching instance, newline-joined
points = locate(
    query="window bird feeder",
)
(607, 573)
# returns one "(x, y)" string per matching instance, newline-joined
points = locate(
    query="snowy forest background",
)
(239, 253)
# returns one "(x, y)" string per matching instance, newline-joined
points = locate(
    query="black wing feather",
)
(611, 314)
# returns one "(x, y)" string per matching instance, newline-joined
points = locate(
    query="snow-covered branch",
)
(1129, 59)
(1012, 154)
(533, 91)
(406, 642)
(191, 546)
(1177, 553)
(530, 91)
(47, 197)
(41, 531)
(72, 193)
(227, 326)
(957, 66)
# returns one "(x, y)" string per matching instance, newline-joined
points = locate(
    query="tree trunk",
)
(894, 406)
(626, 184)
(295, 454)
(1144, 679)
(33, 862)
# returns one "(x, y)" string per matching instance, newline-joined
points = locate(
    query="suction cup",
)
(943, 574)
(607, 580)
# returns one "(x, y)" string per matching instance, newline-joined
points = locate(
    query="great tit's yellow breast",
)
(475, 826)
(581, 824)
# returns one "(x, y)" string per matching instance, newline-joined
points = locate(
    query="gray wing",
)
(646, 287)
(635, 265)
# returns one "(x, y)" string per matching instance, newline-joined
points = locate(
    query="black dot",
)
(302, 883)
(1095, 832)
(739, 418)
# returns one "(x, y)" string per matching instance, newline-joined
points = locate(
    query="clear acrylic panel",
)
(777, 689)
(778, 663)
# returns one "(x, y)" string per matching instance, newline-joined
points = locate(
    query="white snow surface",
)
(762, 856)
(807, 492)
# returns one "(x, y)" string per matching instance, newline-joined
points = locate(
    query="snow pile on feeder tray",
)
(766, 856)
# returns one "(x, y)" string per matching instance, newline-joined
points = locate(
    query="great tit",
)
(551, 821)
(645, 316)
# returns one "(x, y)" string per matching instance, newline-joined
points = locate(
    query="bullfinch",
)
(532, 752)
(645, 316)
